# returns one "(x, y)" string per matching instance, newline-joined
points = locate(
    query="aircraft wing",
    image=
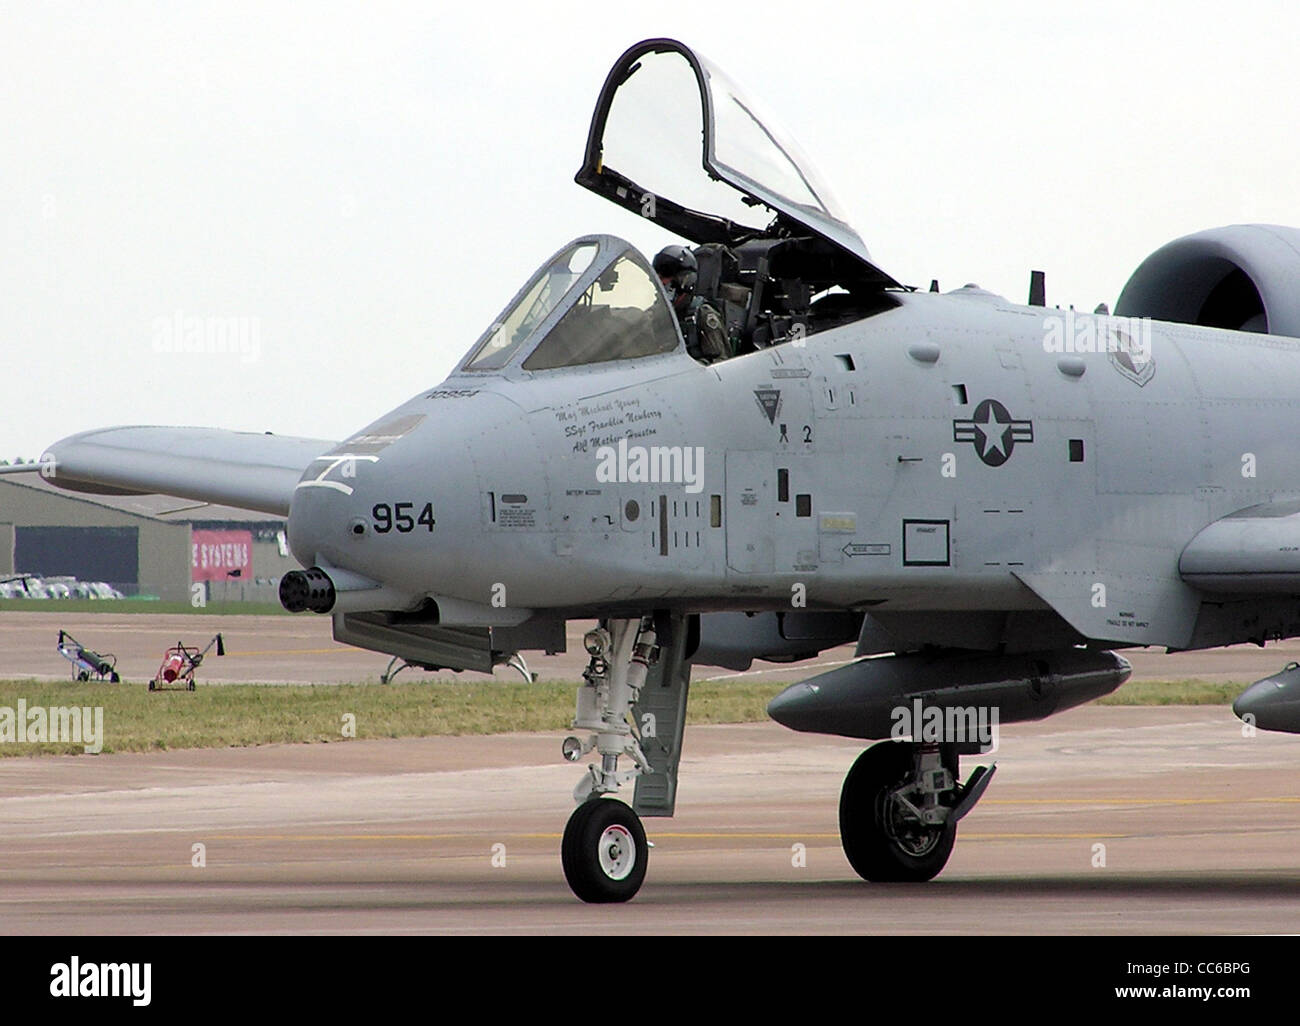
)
(234, 468)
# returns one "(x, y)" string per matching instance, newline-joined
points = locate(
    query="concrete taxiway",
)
(1101, 820)
(301, 649)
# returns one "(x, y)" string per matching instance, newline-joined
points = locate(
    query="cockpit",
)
(674, 141)
(595, 300)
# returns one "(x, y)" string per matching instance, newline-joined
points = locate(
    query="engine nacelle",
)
(1245, 277)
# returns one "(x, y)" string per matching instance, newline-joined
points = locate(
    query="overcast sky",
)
(365, 186)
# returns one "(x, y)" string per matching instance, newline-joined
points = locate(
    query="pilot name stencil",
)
(592, 425)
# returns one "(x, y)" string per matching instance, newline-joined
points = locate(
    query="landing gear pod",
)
(1274, 702)
(880, 698)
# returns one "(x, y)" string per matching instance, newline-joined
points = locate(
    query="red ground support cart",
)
(179, 663)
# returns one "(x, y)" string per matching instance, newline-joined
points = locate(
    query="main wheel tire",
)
(881, 844)
(604, 851)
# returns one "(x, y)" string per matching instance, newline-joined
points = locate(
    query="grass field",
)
(235, 715)
(1175, 692)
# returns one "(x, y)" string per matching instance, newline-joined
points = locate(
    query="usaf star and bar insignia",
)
(993, 432)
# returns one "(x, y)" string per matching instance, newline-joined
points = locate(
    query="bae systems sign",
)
(220, 555)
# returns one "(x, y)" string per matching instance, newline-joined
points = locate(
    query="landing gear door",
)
(673, 140)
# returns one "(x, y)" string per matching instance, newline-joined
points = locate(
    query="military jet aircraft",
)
(988, 497)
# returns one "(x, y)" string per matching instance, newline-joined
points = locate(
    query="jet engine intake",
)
(1240, 277)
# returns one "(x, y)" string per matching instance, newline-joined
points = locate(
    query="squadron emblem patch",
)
(769, 401)
(1132, 359)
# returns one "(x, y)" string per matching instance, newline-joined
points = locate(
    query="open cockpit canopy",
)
(675, 141)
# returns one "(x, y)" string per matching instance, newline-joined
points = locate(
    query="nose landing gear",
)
(604, 851)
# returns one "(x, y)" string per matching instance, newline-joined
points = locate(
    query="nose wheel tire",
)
(604, 851)
(882, 843)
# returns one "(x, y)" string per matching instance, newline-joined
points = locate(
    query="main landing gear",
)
(604, 851)
(899, 809)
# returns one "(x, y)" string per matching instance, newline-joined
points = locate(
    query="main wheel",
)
(604, 851)
(882, 842)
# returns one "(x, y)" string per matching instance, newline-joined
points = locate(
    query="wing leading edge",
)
(234, 468)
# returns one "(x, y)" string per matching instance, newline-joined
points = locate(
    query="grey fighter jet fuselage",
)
(937, 456)
(986, 497)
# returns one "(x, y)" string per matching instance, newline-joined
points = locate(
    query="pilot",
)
(702, 325)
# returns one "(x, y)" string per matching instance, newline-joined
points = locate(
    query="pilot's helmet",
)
(677, 269)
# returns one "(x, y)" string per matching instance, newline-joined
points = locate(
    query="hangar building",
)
(143, 545)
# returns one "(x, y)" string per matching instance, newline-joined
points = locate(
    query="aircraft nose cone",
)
(1272, 703)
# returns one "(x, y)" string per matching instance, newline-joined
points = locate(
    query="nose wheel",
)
(604, 851)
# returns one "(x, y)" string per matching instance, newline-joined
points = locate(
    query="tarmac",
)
(301, 650)
(1102, 820)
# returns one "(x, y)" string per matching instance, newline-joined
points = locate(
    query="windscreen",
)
(621, 316)
(542, 295)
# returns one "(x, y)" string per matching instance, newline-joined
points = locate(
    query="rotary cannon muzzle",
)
(307, 591)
